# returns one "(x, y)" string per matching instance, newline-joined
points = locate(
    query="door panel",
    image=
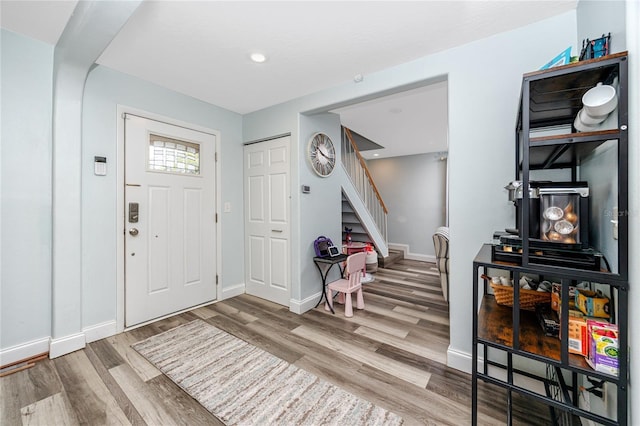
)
(267, 233)
(192, 235)
(279, 198)
(256, 199)
(256, 260)
(170, 254)
(279, 275)
(159, 246)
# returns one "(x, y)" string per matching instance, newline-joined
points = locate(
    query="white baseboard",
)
(459, 360)
(100, 331)
(404, 248)
(301, 306)
(66, 345)
(232, 291)
(24, 351)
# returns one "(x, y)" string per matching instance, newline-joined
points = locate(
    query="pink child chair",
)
(356, 264)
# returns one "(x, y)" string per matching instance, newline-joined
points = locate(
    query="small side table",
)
(324, 265)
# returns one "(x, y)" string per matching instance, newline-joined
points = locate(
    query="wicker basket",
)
(528, 298)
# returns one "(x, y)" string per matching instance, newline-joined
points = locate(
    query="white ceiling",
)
(42, 20)
(202, 48)
(405, 123)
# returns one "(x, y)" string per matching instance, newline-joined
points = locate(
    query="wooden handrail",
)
(366, 169)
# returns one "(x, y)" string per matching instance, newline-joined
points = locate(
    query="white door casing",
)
(267, 220)
(170, 252)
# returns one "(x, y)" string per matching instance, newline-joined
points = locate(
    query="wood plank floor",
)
(393, 354)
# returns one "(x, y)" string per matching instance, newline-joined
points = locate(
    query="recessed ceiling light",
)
(376, 155)
(258, 57)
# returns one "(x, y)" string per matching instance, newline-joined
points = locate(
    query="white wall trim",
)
(24, 351)
(301, 306)
(66, 345)
(232, 291)
(459, 360)
(412, 256)
(100, 331)
(120, 204)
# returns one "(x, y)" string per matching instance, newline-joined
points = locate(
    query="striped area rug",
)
(243, 385)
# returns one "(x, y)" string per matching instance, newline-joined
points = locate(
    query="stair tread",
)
(351, 219)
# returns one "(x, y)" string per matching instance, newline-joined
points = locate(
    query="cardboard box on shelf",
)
(577, 338)
(592, 303)
(603, 347)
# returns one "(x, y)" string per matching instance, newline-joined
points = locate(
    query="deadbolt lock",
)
(133, 212)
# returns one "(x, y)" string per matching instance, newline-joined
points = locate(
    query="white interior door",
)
(170, 235)
(267, 220)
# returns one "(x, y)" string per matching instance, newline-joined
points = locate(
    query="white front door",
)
(267, 222)
(170, 230)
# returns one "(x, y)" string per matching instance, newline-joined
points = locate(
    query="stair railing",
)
(356, 168)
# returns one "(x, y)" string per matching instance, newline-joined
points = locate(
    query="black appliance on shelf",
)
(558, 226)
(509, 249)
(558, 214)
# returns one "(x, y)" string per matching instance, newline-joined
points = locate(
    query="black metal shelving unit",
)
(504, 335)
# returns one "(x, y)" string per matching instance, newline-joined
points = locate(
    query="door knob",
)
(133, 232)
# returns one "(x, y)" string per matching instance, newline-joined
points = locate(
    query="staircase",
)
(362, 207)
(351, 220)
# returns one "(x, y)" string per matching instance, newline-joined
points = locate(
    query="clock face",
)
(322, 154)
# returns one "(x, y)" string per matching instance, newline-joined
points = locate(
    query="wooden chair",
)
(356, 264)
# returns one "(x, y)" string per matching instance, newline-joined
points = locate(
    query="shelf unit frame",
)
(574, 142)
(574, 364)
(559, 151)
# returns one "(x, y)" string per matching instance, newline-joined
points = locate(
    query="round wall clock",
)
(322, 154)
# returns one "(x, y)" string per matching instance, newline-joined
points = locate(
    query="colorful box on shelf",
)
(578, 341)
(592, 303)
(603, 347)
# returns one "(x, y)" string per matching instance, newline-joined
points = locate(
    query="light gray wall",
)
(25, 284)
(321, 202)
(600, 170)
(414, 190)
(598, 17)
(484, 91)
(105, 90)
